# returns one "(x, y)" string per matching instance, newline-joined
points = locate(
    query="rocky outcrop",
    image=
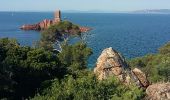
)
(39, 26)
(111, 63)
(30, 27)
(46, 23)
(159, 91)
(84, 29)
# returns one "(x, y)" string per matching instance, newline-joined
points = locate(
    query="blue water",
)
(133, 35)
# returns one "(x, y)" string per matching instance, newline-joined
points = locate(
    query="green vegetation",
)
(27, 72)
(59, 31)
(89, 88)
(23, 69)
(44, 74)
(156, 66)
(74, 57)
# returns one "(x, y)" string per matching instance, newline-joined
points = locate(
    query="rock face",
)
(45, 24)
(39, 26)
(158, 92)
(111, 63)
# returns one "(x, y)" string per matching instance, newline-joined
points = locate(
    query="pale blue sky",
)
(82, 5)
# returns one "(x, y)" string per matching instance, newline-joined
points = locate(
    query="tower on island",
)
(57, 16)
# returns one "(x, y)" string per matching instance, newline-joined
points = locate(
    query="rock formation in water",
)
(111, 63)
(159, 91)
(46, 23)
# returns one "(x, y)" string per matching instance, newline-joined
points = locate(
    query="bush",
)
(89, 88)
(156, 66)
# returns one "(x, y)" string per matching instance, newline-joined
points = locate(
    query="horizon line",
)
(93, 10)
(96, 11)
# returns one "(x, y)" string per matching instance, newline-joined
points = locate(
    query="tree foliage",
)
(89, 88)
(27, 71)
(75, 57)
(23, 69)
(59, 31)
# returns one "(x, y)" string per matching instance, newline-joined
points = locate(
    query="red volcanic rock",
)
(39, 26)
(84, 29)
(45, 24)
(30, 27)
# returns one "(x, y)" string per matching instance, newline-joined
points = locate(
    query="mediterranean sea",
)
(133, 35)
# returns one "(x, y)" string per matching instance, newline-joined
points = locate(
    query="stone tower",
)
(57, 16)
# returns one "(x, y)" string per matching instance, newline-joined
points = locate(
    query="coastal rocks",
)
(84, 29)
(158, 91)
(141, 77)
(111, 63)
(30, 27)
(44, 24)
(39, 26)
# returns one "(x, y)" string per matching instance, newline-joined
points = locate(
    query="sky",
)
(82, 5)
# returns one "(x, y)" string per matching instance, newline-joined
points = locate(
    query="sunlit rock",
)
(159, 91)
(111, 63)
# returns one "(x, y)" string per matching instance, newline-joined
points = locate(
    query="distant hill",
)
(153, 11)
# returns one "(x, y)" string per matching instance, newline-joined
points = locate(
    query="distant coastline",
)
(153, 11)
(144, 11)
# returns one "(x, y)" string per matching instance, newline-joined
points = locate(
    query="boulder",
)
(109, 63)
(141, 77)
(112, 63)
(159, 91)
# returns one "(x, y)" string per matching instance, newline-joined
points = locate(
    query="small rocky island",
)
(48, 22)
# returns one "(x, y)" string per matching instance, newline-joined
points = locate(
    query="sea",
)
(133, 35)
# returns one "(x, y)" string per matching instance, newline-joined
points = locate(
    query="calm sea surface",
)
(133, 35)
